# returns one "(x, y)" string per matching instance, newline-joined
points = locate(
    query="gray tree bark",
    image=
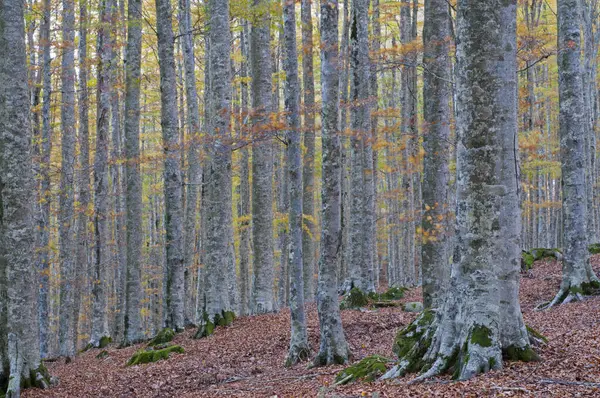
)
(578, 276)
(21, 351)
(333, 346)
(66, 224)
(362, 188)
(308, 198)
(44, 214)
(244, 204)
(436, 140)
(194, 169)
(299, 349)
(133, 331)
(172, 171)
(83, 173)
(217, 175)
(480, 319)
(100, 331)
(262, 164)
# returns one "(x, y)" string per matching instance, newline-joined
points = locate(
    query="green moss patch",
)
(102, 355)
(153, 355)
(529, 257)
(392, 294)
(164, 336)
(354, 299)
(525, 354)
(534, 334)
(594, 248)
(412, 342)
(207, 328)
(481, 336)
(368, 369)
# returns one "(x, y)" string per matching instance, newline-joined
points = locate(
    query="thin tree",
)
(299, 348)
(100, 333)
(66, 222)
(308, 173)
(333, 346)
(436, 138)
(578, 276)
(133, 332)
(174, 318)
(263, 300)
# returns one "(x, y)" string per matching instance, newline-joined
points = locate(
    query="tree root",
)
(571, 293)
(297, 353)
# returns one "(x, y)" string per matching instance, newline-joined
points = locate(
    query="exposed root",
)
(297, 353)
(368, 369)
(208, 325)
(419, 350)
(572, 293)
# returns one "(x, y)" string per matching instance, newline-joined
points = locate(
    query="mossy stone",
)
(368, 369)
(164, 336)
(150, 355)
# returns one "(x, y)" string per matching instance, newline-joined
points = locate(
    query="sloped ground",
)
(246, 359)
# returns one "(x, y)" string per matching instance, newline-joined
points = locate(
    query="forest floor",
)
(246, 359)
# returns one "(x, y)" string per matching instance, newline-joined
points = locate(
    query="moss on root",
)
(103, 354)
(594, 248)
(153, 354)
(535, 335)
(392, 294)
(524, 354)
(411, 343)
(368, 369)
(164, 336)
(354, 299)
(207, 328)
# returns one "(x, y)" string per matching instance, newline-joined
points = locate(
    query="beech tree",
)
(480, 318)
(333, 347)
(19, 340)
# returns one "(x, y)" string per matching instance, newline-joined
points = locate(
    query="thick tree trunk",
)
(100, 333)
(578, 277)
(217, 175)
(362, 190)
(299, 348)
(262, 165)
(308, 196)
(133, 331)
(436, 140)
(172, 172)
(480, 320)
(333, 347)
(21, 351)
(68, 289)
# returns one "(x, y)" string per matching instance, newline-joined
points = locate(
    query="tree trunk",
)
(194, 169)
(217, 175)
(333, 347)
(19, 299)
(362, 189)
(262, 164)
(578, 277)
(299, 348)
(100, 332)
(133, 331)
(308, 196)
(436, 140)
(66, 222)
(480, 319)
(44, 216)
(172, 171)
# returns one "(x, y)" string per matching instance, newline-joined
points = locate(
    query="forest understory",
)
(246, 359)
